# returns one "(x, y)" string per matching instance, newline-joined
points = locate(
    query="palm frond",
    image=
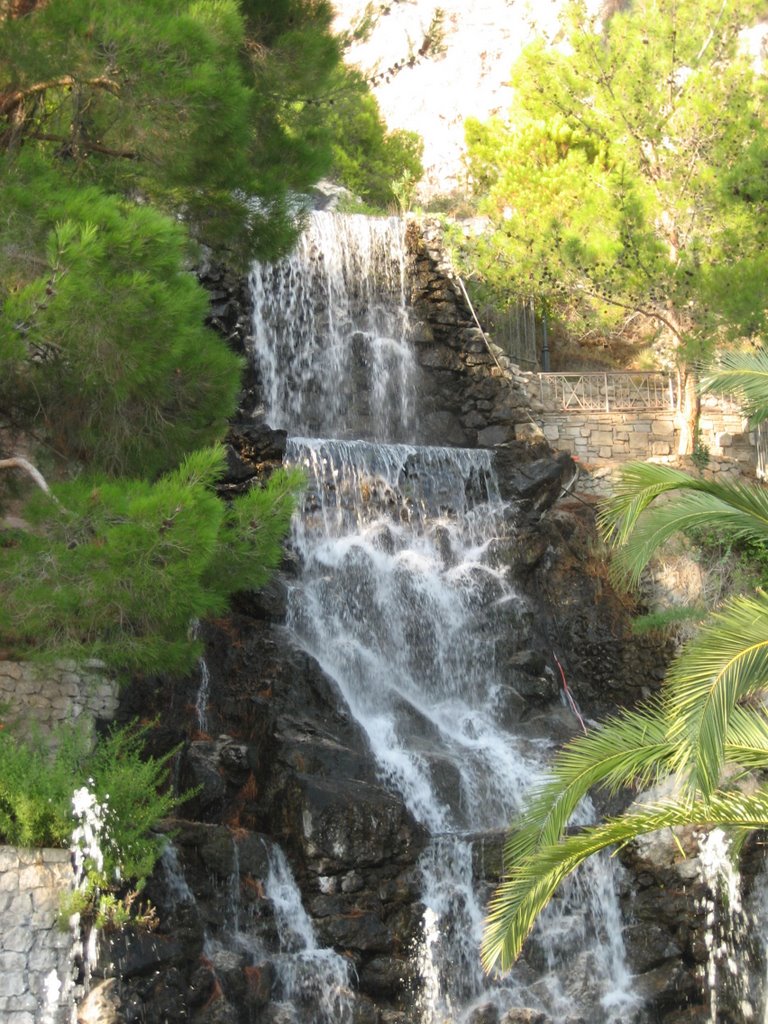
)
(741, 514)
(626, 520)
(532, 881)
(746, 744)
(726, 663)
(744, 375)
(632, 748)
(639, 484)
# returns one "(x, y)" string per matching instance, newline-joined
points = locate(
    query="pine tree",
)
(102, 342)
(117, 570)
(627, 178)
(197, 107)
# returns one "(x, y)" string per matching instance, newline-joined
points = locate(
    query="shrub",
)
(38, 780)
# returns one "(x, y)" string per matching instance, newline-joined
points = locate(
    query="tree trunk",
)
(688, 409)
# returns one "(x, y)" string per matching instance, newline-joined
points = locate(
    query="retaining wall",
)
(40, 699)
(602, 441)
(36, 956)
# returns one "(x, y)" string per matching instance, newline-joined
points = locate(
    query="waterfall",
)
(306, 973)
(403, 595)
(330, 331)
(729, 975)
(204, 689)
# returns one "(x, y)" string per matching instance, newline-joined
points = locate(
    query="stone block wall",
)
(41, 699)
(601, 441)
(36, 956)
(471, 394)
(601, 437)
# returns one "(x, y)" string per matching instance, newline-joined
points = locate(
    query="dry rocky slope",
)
(468, 75)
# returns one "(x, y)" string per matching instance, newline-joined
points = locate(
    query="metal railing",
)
(607, 392)
(761, 455)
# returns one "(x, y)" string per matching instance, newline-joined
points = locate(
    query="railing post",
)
(607, 402)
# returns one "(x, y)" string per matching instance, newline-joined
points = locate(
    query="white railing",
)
(607, 392)
(761, 445)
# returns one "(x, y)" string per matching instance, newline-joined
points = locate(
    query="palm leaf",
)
(726, 663)
(746, 745)
(741, 514)
(531, 883)
(745, 375)
(632, 748)
(638, 484)
(626, 520)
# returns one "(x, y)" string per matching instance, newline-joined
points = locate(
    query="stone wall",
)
(601, 441)
(40, 699)
(471, 394)
(36, 956)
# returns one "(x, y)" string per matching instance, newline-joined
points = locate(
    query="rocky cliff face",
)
(281, 761)
(294, 891)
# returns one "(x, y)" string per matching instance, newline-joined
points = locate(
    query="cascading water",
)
(403, 595)
(305, 974)
(330, 331)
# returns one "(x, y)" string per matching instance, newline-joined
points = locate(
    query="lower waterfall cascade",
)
(399, 600)
(361, 733)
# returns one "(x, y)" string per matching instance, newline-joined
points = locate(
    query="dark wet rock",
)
(488, 854)
(525, 1016)
(348, 823)
(383, 976)
(271, 602)
(488, 1014)
(670, 985)
(259, 980)
(365, 1011)
(649, 945)
(539, 482)
(130, 953)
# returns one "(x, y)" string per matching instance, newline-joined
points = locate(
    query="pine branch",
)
(10, 101)
(17, 462)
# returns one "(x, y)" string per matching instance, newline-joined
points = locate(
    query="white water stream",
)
(402, 599)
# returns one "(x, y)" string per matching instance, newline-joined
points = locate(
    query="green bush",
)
(119, 569)
(38, 780)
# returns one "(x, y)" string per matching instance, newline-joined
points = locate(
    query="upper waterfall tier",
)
(330, 331)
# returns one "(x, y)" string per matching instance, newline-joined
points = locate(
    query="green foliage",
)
(101, 329)
(198, 106)
(37, 783)
(668, 619)
(36, 787)
(38, 779)
(746, 374)
(710, 714)
(627, 178)
(367, 159)
(133, 788)
(119, 569)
